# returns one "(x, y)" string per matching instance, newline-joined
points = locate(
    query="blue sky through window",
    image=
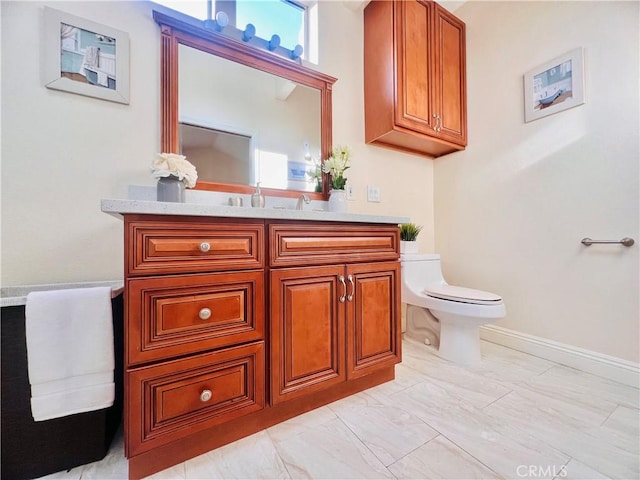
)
(273, 17)
(283, 18)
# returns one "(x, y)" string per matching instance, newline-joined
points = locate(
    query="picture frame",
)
(85, 57)
(297, 171)
(554, 86)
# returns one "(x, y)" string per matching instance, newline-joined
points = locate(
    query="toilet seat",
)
(462, 294)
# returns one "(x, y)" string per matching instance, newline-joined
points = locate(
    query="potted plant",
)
(408, 236)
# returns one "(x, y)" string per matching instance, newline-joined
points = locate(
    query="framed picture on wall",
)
(84, 57)
(554, 86)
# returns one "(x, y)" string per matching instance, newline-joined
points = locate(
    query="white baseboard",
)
(612, 368)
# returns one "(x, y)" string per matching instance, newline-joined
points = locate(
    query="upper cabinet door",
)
(414, 77)
(414, 66)
(450, 85)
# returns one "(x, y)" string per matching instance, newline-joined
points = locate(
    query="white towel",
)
(69, 351)
(103, 80)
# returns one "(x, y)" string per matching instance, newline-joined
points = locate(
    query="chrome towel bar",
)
(626, 241)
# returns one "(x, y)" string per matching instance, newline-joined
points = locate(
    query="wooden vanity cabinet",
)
(194, 326)
(234, 325)
(337, 321)
(414, 77)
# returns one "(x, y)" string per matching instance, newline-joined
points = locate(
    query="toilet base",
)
(459, 344)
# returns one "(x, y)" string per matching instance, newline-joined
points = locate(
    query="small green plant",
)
(409, 231)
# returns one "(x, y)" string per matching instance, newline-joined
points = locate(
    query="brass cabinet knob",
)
(205, 314)
(205, 247)
(205, 396)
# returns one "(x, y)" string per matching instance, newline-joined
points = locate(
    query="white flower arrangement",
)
(167, 164)
(336, 165)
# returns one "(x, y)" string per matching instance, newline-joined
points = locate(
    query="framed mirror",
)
(242, 115)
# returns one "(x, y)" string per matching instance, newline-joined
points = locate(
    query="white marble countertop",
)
(12, 296)
(119, 207)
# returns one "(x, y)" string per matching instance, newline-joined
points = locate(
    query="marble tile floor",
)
(513, 417)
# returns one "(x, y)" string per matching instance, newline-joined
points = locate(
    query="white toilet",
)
(460, 311)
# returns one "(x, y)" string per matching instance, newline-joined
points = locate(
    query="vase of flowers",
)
(174, 173)
(315, 174)
(335, 166)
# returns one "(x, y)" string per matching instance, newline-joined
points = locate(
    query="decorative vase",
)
(337, 201)
(407, 247)
(170, 189)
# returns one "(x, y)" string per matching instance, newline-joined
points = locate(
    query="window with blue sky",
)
(285, 18)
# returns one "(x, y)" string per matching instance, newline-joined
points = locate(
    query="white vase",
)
(407, 247)
(337, 201)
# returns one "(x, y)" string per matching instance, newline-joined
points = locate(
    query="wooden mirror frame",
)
(176, 32)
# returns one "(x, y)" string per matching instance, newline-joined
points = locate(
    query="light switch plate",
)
(350, 195)
(373, 193)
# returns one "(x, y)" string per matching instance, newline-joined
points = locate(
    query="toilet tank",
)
(419, 270)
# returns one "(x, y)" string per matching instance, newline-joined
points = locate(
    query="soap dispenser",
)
(257, 199)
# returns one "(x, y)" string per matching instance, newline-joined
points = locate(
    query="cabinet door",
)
(414, 103)
(373, 317)
(450, 83)
(307, 330)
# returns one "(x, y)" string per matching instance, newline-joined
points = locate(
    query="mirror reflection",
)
(241, 125)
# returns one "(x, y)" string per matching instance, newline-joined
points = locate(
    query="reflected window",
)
(272, 168)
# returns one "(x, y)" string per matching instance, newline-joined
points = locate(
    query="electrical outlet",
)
(373, 193)
(350, 195)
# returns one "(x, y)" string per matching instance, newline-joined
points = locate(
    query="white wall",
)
(511, 210)
(56, 166)
(62, 153)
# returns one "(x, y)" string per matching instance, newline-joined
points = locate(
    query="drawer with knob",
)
(183, 246)
(170, 400)
(169, 316)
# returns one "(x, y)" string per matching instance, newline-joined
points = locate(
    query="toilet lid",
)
(462, 294)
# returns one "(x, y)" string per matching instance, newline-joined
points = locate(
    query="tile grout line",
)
(266, 430)
(609, 416)
(364, 444)
(497, 399)
(563, 470)
(472, 456)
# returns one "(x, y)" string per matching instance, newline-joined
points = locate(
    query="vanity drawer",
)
(300, 244)
(171, 400)
(180, 246)
(174, 315)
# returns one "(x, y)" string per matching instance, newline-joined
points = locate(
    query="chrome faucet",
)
(302, 198)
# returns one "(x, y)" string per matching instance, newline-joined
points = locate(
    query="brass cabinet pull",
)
(344, 289)
(205, 247)
(353, 288)
(205, 395)
(205, 314)
(437, 126)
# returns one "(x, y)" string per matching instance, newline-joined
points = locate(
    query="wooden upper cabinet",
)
(414, 77)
